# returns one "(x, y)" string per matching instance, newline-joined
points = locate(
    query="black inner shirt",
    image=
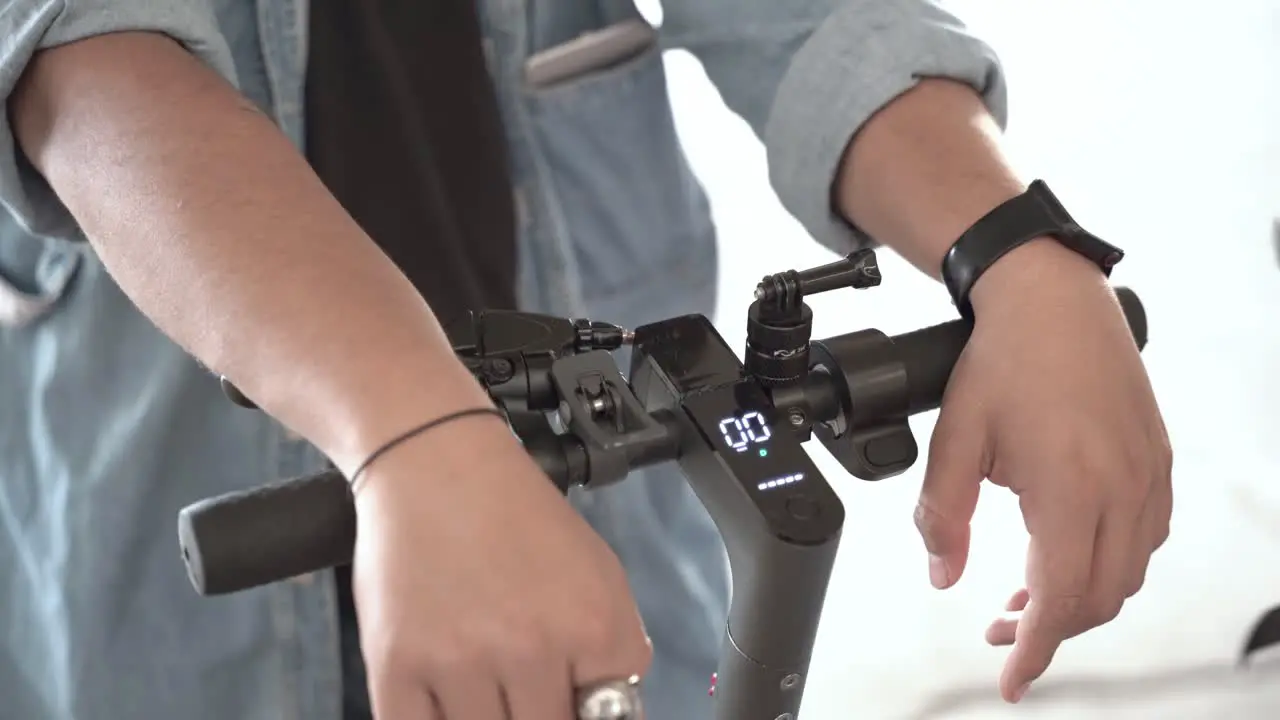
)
(403, 127)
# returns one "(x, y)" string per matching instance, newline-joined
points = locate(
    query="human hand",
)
(481, 594)
(1050, 399)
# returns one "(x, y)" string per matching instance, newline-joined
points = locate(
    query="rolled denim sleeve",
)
(807, 74)
(28, 26)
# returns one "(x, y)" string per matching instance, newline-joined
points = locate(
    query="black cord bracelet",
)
(414, 432)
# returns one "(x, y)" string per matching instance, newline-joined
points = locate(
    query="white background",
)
(1158, 123)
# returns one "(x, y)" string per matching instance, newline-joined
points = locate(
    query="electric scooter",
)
(734, 427)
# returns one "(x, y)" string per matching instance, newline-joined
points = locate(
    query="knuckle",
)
(933, 526)
(1124, 492)
(1161, 533)
(525, 645)
(1130, 480)
(925, 519)
(1135, 584)
(1152, 470)
(1037, 666)
(454, 654)
(637, 653)
(395, 655)
(1066, 607)
(1092, 463)
(501, 641)
(617, 640)
(595, 634)
(1060, 615)
(1105, 609)
(1164, 459)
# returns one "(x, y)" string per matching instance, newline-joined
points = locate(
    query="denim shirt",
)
(107, 428)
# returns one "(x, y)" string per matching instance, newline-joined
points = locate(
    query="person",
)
(270, 189)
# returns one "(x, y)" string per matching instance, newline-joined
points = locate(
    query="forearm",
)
(924, 169)
(216, 228)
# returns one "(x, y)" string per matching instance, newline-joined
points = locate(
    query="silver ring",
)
(617, 700)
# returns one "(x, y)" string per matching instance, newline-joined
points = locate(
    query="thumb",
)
(949, 496)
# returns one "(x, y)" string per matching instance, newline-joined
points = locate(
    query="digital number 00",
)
(741, 432)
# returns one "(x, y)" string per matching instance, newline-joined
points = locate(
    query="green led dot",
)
(763, 452)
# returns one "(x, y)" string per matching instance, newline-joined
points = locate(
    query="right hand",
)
(481, 593)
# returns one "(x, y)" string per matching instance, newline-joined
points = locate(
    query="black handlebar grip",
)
(255, 537)
(930, 354)
(274, 532)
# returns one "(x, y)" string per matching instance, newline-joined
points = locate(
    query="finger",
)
(1059, 571)
(538, 690)
(392, 698)
(1139, 560)
(1160, 501)
(1151, 533)
(468, 695)
(1002, 631)
(952, 480)
(1117, 555)
(610, 652)
(1159, 510)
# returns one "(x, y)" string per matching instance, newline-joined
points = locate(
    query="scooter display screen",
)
(748, 434)
(766, 459)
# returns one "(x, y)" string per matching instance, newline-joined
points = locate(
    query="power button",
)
(802, 508)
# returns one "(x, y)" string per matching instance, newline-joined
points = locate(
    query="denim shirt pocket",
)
(34, 274)
(637, 220)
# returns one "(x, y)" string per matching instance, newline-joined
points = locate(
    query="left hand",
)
(1050, 399)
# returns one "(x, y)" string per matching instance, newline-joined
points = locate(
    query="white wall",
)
(1159, 124)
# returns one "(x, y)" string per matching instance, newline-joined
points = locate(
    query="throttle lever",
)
(870, 436)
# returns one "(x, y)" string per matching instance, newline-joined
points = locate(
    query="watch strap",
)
(1034, 214)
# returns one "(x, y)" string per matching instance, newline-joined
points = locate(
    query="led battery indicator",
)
(783, 481)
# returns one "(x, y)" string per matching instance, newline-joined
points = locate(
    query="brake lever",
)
(501, 346)
(495, 333)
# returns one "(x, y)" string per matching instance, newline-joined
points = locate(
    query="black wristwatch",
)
(1035, 213)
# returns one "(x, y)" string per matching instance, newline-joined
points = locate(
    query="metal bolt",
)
(790, 682)
(497, 370)
(796, 417)
(599, 406)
